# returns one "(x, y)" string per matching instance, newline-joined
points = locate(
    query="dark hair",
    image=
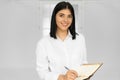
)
(58, 7)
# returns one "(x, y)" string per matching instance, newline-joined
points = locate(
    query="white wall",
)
(20, 29)
(19, 33)
(101, 28)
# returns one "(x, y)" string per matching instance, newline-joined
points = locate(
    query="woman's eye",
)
(61, 15)
(70, 16)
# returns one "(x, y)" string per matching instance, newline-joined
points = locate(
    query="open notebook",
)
(87, 70)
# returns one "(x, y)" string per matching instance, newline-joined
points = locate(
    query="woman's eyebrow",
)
(64, 14)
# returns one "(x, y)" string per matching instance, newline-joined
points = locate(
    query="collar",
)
(67, 37)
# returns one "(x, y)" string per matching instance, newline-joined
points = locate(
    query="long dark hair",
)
(58, 7)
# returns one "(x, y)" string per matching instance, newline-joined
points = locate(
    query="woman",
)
(63, 48)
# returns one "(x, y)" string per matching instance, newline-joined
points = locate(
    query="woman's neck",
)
(62, 34)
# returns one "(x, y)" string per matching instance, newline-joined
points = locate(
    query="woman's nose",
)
(65, 19)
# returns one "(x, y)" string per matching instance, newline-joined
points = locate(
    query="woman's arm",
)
(43, 65)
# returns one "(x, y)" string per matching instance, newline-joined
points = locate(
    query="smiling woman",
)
(63, 21)
(62, 47)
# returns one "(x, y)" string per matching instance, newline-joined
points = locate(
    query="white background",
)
(21, 26)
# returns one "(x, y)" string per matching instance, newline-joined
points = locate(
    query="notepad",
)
(87, 70)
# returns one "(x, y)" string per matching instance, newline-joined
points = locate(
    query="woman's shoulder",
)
(80, 36)
(44, 39)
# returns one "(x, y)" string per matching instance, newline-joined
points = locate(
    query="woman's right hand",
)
(61, 77)
(71, 75)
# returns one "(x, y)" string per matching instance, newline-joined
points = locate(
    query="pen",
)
(66, 68)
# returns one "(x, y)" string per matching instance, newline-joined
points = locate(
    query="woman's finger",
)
(71, 74)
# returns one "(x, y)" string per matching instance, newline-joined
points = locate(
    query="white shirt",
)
(53, 54)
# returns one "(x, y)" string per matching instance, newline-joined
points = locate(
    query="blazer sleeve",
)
(42, 64)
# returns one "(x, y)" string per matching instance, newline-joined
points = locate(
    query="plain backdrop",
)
(22, 24)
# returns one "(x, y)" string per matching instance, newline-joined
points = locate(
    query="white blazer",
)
(53, 54)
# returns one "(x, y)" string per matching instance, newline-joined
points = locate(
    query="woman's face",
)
(63, 19)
